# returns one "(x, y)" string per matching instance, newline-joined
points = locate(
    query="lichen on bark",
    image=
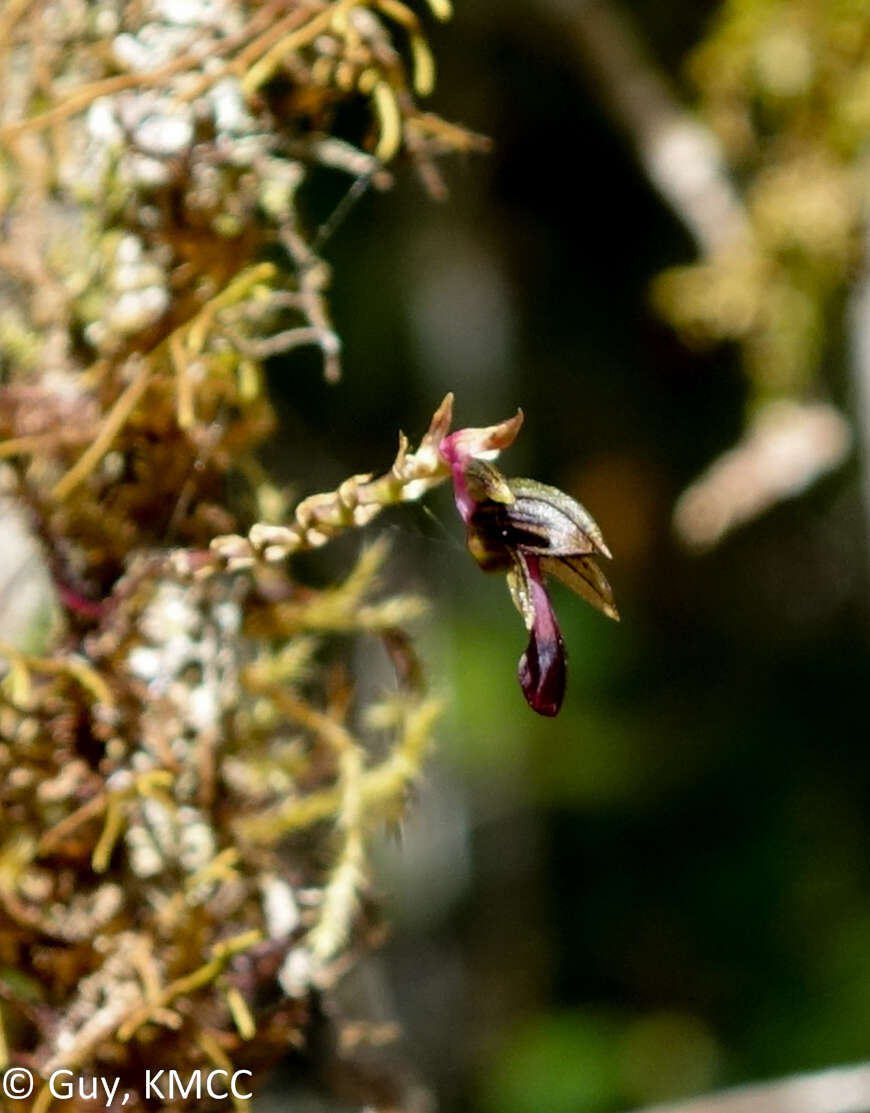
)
(187, 781)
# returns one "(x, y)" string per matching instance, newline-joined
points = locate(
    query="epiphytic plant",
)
(188, 778)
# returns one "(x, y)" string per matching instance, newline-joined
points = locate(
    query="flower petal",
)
(585, 578)
(486, 483)
(520, 588)
(555, 524)
(481, 442)
(458, 448)
(541, 670)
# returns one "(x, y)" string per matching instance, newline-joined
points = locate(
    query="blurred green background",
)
(665, 889)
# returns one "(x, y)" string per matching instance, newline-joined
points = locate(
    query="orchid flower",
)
(529, 531)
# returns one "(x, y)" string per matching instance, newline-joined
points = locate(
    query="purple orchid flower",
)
(529, 531)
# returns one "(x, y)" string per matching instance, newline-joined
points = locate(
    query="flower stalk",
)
(528, 530)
